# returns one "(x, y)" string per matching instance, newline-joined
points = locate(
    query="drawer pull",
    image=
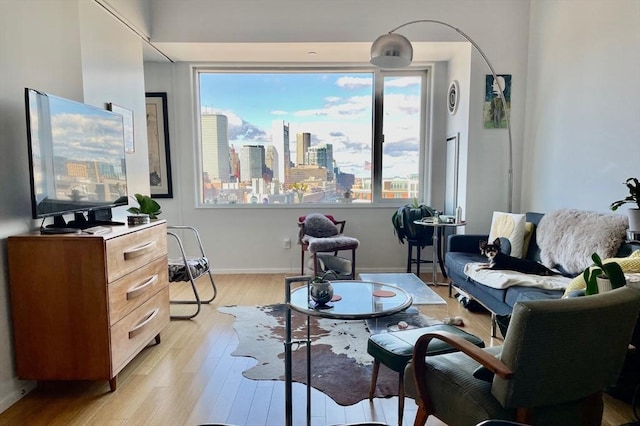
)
(139, 328)
(138, 290)
(139, 251)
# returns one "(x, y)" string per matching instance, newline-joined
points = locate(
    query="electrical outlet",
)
(286, 243)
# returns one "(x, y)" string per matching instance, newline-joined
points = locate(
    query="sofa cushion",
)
(510, 226)
(518, 294)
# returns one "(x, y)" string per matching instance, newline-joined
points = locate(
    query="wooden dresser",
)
(83, 306)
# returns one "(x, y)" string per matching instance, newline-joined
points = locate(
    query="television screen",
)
(76, 156)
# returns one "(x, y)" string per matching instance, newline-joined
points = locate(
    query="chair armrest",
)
(420, 352)
(467, 243)
(491, 362)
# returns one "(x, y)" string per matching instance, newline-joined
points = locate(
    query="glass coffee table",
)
(359, 301)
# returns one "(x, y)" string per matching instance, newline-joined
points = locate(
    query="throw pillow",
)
(319, 226)
(510, 226)
(528, 232)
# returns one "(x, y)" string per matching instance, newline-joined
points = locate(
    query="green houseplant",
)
(321, 290)
(633, 198)
(403, 225)
(146, 205)
(608, 271)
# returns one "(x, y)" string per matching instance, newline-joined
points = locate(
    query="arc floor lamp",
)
(394, 50)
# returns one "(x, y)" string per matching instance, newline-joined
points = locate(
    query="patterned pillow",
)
(319, 226)
(510, 226)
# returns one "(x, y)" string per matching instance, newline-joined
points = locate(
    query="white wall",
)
(583, 104)
(74, 49)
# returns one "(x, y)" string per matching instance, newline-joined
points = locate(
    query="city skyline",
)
(333, 108)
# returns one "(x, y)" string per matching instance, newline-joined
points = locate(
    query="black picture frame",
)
(158, 145)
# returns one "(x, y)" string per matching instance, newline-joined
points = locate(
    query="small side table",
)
(437, 249)
(358, 302)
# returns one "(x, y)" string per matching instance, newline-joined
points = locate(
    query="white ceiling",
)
(300, 53)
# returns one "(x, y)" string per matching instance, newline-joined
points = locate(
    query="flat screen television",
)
(76, 161)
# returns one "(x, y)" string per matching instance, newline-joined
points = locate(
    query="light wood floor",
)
(191, 377)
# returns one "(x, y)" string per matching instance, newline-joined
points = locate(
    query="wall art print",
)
(494, 114)
(158, 140)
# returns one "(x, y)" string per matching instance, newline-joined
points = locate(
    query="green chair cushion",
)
(396, 348)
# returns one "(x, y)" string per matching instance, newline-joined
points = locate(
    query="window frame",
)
(425, 72)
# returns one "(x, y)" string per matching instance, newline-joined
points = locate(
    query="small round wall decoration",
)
(453, 97)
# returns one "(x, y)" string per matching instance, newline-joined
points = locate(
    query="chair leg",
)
(418, 261)
(421, 417)
(409, 256)
(374, 378)
(353, 264)
(400, 398)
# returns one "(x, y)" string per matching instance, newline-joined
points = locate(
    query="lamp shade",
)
(391, 51)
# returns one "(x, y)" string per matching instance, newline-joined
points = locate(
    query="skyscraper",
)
(251, 162)
(272, 160)
(303, 142)
(280, 140)
(215, 147)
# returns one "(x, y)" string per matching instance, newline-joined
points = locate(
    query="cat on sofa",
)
(500, 260)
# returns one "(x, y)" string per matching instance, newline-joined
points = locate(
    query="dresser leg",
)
(158, 339)
(113, 383)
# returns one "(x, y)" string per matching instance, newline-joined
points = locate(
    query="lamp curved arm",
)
(500, 93)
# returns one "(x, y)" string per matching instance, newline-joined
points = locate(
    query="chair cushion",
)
(319, 226)
(395, 349)
(317, 245)
(178, 270)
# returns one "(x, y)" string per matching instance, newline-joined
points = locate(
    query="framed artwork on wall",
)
(127, 120)
(158, 140)
(494, 115)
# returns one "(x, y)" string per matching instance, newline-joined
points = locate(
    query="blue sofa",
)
(463, 249)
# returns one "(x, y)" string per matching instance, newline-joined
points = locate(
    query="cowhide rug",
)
(340, 365)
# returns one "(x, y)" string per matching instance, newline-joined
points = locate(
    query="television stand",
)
(80, 222)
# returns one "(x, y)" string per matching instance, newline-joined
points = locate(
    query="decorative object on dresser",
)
(84, 305)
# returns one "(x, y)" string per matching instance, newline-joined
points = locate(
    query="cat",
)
(499, 260)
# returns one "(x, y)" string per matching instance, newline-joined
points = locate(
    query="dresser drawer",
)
(128, 252)
(138, 328)
(134, 289)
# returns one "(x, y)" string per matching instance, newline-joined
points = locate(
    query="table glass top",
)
(357, 300)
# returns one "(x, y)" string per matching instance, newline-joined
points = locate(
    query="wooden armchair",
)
(557, 358)
(320, 233)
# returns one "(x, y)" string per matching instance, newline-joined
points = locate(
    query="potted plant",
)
(404, 227)
(602, 276)
(321, 290)
(633, 198)
(146, 205)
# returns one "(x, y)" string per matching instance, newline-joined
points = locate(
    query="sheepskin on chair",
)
(322, 235)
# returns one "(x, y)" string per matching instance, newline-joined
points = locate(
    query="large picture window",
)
(310, 136)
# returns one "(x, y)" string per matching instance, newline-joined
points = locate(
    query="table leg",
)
(288, 385)
(288, 376)
(434, 260)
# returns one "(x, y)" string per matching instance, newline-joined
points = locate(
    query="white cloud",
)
(354, 82)
(279, 112)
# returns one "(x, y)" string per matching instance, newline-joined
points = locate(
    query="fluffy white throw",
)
(569, 237)
(501, 279)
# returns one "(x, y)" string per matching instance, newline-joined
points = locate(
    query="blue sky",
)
(334, 107)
